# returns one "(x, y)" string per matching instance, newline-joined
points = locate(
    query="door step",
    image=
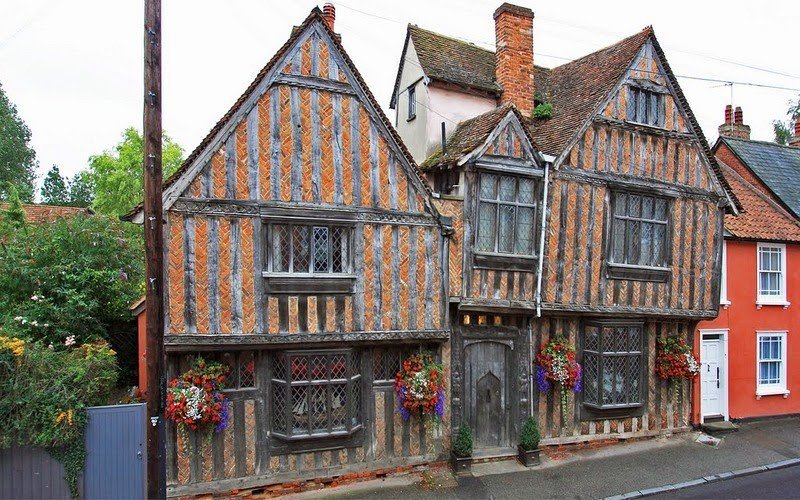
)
(719, 427)
(483, 455)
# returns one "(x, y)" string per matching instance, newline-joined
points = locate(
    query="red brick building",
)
(749, 353)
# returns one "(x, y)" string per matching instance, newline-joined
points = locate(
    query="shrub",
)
(529, 437)
(44, 393)
(72, 277)
(462, 447)
(544, 110)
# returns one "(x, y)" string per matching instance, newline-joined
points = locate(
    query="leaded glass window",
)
(645, 106)
(316, 393)
(612, 365)
(640, 228)
(506, 215)
(309, 249)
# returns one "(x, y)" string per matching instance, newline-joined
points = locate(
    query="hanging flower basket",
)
(675, 361)
(420, 387)
(195, 401)
(556, 365)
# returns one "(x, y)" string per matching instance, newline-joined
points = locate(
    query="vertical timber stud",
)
(154, 255)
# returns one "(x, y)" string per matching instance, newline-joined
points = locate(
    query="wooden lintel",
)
(629, 311)
(314, 82)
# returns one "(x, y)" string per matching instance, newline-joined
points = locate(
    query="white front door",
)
(712, 375)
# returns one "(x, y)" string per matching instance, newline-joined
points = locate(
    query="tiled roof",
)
(577, 88)
(467, 136)
(315, 15)
(454, 61)
(776, 165)
(39, 214)
(761, 218)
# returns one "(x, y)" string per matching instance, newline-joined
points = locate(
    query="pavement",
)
(609, 471)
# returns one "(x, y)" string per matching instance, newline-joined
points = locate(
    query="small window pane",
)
(488, 186)
(526, 191)
(525, 230)
(339, 249)
(300, 247)
(634, 205)
(281, 252)
(486, 227)
(631, 104)
(506, 234)
(661, 209)
(507, 188)
(621, 204)
(647, 207)
(320, 245)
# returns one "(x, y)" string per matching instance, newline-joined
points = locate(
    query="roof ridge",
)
(460, 40)
(749, 185)
(760, 141)
(648, 30)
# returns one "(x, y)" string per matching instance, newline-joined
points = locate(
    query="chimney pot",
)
(728, 114)
(734, 126)
(513, 29)
(738, 118)
(329, 14)
(795, 139)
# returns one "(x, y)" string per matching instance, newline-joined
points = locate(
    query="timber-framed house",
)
(596, 219)
(304, 251)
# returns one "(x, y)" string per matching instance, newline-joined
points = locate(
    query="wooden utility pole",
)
(154, 253)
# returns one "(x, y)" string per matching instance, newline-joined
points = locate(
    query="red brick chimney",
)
(513, 67)
(795, 139)
(329, 14)
(734, 124)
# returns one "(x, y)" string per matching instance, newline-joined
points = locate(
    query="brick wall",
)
(513, 28)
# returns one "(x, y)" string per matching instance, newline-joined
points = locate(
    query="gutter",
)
(548, 163)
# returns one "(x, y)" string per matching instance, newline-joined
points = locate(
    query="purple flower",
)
(401, 399)
(544, 384)
(224, 414)
(440, 402)
(578, 377)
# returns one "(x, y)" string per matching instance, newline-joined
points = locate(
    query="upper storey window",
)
(412, 103)
(771, 273)
(506, 215)
(639, 237)
(646, 106)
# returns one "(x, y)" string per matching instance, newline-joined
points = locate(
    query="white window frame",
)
(771, 389)
(723, 288)
(764, 300)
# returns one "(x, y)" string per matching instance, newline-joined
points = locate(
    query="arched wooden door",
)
(487, 393)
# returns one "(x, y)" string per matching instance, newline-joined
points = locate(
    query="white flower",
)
(34, 323)
(50, 346)
(18, 318)
(69, 341)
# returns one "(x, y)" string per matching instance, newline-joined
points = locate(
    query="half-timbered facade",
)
(303, 250)
(624, 204)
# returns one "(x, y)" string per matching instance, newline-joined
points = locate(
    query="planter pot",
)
(460, 464)
(529, 458)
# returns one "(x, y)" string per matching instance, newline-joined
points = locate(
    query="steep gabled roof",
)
(471, 134)
(761, 218)
(776, 165)
(454, 61)
(314, 17)
(576, 89)
(40, 214)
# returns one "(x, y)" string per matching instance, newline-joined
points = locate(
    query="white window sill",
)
(772, 392)
(783, 303)
(725, 303)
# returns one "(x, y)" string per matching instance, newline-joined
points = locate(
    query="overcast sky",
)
(74, 68)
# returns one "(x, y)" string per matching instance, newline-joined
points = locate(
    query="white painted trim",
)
(762, 300)
(724, 333)
(723, 288)
(773, 389)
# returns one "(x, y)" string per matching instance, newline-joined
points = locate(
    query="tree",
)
(13, 217)
(784, 130)
(17, 158)
(54, 189)
(81, 190)
(118, 175)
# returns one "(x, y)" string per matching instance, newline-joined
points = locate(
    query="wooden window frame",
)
(497, 259)
(781, 388)
(412, 102)
(642, 112)
(599, 411)
(310, 281)
(638, 272)
(354, 382)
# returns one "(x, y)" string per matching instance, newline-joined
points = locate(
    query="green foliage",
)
(54, 189)
(462, 447)
(784, 130)
(13, 217)
(74, 276)
(544, 110)
(57, 190)
(44, 393)
(529, 436)
(17, 158)
(117, 175)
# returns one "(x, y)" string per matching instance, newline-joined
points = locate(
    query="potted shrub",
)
(461, 455)
(528, 449)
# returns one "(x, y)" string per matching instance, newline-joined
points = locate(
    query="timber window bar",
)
(316, 394)
(613, 368)
(640, 237)
(646, 105)
(507, 207)
(305, 258)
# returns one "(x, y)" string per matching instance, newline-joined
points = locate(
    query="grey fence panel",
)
(115, 461)
(115, 452)
(31, 473)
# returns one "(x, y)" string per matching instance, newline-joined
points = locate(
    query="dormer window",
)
(412, 103)
(645, 105)
(506, 215)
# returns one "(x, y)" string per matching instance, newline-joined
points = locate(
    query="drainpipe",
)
(541, 241)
